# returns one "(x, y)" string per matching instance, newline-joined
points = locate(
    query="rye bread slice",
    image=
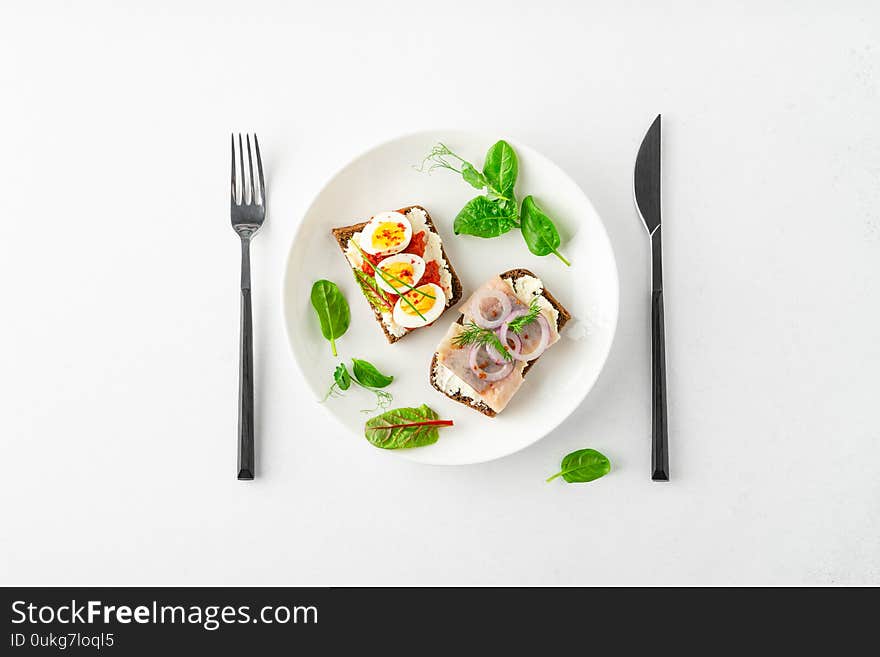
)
(563, 318)
(344, 233)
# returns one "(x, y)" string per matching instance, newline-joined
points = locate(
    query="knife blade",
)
(646, 190)
(646, 178)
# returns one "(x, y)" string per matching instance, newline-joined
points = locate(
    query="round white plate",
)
(385, 178)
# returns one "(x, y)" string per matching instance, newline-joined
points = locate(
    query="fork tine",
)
(260, 170)
(232, 137)
(241, 171)
(251, 169)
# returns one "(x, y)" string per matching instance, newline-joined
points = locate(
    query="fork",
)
(248, 210)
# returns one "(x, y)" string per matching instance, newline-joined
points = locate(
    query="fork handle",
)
(246, 370)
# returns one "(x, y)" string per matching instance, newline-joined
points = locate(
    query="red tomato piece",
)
(417, 244)
(432, 273)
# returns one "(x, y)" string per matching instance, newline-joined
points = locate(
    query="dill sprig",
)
(518, 324)
(473, 334)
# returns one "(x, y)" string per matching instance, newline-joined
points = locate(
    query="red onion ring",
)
(512, 350)
(516, 312)
(497, 375)
(484, 322)
(537, 351)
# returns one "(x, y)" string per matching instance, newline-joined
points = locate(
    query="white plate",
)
(385, 178)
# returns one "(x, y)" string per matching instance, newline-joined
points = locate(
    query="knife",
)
(646, 189)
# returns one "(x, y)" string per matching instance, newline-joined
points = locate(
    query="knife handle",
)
(659, 437)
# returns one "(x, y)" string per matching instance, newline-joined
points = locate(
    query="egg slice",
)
(406, 267)
(431, 309)
(386, 234)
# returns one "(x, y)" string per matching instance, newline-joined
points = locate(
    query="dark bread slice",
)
(344, 234)
(562, 320)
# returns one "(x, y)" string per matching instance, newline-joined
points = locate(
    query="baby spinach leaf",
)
(484, 217)
(508, 207)
(402, 428)
(473, 177)
(332, 309)
(583, 465)
(367, 374)
(497, 212)
(501, 168)
(539, 231)
(342, 377)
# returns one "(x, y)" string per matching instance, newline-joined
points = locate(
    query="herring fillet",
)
(497, 394)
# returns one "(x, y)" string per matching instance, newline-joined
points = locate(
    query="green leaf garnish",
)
(583, 465)
(375, 294)
(441, 157)
(365, 375)
(332, 310)
(497, 213)
(402, 428)
(342, 377)
(538, 230)
(484, 217)
(473, 177)
(501, 169)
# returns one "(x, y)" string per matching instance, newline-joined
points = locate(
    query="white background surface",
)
(120, 306)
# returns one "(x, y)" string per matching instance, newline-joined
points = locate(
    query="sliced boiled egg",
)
(404, 267)
(385, 234)
(430, 308)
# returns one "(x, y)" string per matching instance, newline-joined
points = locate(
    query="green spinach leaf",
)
(483, 217)
(402, 428)
(342, 377)
(332, 309)
(497, 212)
(500, 169)
(508, 207)
(367, 374)
(539, 231)
(583, 465)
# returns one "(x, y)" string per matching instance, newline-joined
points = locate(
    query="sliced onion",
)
(513, 349)
(516, 312)
(542, 343)
(497, 358)
(497, 375)
(483, 321)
